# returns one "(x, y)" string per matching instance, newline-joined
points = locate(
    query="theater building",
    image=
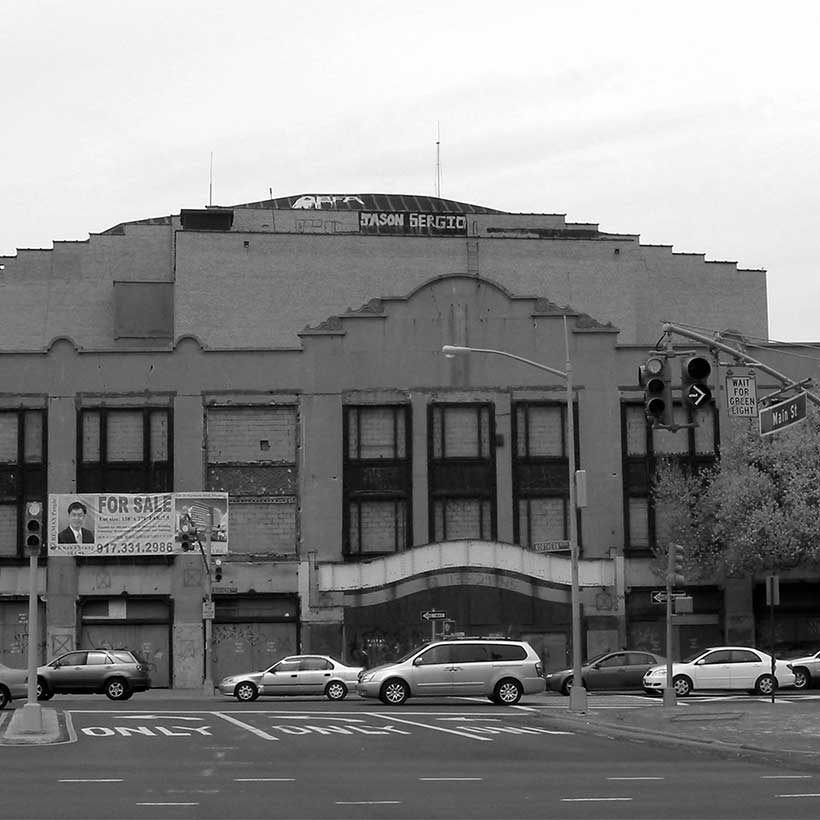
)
(288, 353)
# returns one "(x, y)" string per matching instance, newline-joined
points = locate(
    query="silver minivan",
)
(499, 669)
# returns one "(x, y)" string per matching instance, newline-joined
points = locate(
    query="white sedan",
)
(294, 675)
(722, 667)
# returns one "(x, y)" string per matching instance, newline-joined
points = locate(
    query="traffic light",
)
(656, 381)
(187, 538)
(695, 372)
(218, 570)
(34, 528)
(677, 557)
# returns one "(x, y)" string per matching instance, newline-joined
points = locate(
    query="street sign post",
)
(431, 616)
(783, 414)
(741, 396)
(658, 596)
(550, 546)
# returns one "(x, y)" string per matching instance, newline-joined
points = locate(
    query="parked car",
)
(609, 670)
(294, 675)
(13, 684)
(499, 669)
(806, 670)
(722, 667)
(116, 672)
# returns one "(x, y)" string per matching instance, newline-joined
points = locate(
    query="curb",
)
(797, 757)
(13, 733)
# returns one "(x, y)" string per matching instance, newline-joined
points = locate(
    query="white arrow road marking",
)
(464, 719)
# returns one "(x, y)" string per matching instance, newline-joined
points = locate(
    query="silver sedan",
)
(294, 675)
(13, 684)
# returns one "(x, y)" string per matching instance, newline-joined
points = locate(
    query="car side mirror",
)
(700, 662)
(596, 665)
(418, 662)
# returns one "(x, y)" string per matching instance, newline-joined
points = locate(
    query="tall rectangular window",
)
(540, 472)
(22, 473)
(642, 445)
(125, 449)
(377, 480)
(252, 456)
(461, 469)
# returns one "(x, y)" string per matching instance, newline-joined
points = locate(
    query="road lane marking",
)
(91, 780)
(429, 726)
(634, 778)
(593, 799)
(252, 729)
(808, 794)
(264, 779)
(426, 779)
(368, 802)
(157, 717)
(167, 804)
(786, 776)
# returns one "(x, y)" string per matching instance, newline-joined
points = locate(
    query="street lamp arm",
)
(451, 351)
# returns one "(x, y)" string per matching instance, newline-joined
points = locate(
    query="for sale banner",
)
(102, 524)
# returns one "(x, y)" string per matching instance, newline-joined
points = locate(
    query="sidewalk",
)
(786, 730)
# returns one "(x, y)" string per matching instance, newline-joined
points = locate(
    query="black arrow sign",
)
(698, 395)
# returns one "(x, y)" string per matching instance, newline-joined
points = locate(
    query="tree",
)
(757, 510)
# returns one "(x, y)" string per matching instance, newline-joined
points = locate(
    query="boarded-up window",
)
(143, 310)
(252, 456)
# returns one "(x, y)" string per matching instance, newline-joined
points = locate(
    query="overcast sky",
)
(694, 124)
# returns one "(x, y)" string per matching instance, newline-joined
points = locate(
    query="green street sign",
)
(783, 414)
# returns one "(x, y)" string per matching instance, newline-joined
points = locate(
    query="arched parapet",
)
(546, 568)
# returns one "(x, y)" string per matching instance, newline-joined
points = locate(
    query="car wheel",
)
(336, 690)
(508, 692)
(765, 685)
(43, 690)
(394, 692)
(116, 689)
(5, 697)
(682, 685)
(802, 679)
(567, 685)
(246, 691)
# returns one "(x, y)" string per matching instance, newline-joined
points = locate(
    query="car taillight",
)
(539, 670)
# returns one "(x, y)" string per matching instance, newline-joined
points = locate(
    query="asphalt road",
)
(316, 759)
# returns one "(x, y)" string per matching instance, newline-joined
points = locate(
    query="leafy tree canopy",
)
(757, 510)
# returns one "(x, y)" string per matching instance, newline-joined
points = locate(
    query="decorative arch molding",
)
(451, 563)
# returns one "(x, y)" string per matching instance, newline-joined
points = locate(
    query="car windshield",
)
(410, 654)
(596, 658)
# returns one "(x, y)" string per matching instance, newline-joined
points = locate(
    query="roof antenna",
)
(438, 159)
(211, 183)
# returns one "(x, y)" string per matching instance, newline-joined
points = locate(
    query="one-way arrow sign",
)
(434, 615)
(698, 395)
(658, 596)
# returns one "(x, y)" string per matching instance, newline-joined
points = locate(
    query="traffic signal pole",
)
(743, 359)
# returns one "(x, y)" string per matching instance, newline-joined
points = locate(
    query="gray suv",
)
(116, 672)
(499, 669)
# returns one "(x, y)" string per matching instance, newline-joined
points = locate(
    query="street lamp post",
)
(578, 694)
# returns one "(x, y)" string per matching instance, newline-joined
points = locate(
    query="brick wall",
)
(263, 505)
